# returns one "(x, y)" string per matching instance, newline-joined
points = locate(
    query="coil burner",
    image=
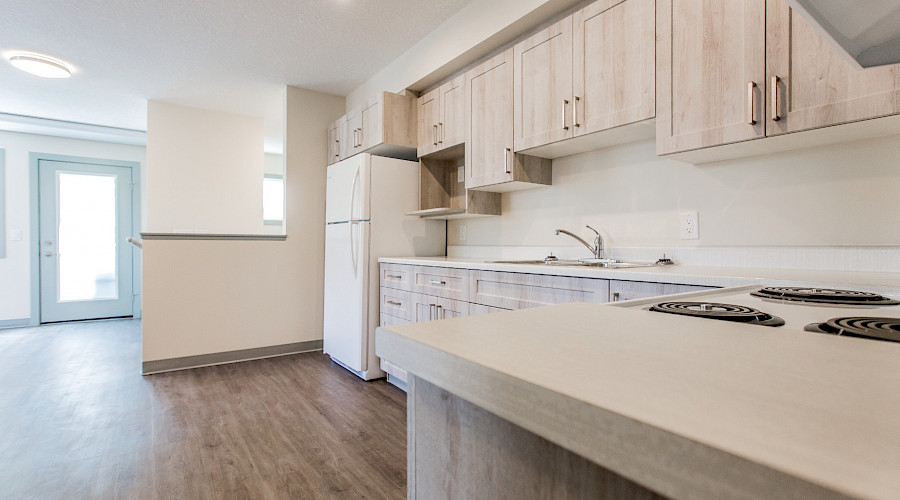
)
(824, 296)
(724, 312)
(858, 326)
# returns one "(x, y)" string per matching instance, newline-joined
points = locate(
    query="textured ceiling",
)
(227, 55)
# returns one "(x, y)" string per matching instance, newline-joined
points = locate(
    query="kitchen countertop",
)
(716, 276)
(689, 408)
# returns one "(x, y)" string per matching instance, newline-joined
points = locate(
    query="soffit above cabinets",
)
(869, 35)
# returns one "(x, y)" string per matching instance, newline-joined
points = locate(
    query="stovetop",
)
(878, 316)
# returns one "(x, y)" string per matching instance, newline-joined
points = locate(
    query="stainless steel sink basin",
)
(605, 263)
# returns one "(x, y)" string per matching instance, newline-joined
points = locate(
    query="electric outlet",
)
(461, 174)
(462, 232)
(16, 235)
(690, 226)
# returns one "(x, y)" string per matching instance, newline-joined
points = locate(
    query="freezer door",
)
(346, 293)
(347, 190)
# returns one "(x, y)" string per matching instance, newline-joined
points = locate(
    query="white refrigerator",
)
(367, 198)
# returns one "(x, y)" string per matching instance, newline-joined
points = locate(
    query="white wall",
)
(15, 269)
(842, 194)
(204, 297)
(205, 170)
(477, 29)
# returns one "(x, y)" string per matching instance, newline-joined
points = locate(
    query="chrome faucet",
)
(596, 248)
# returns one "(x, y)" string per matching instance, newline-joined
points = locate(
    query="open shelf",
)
(443, 193)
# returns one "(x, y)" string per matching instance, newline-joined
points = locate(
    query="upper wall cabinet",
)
(811, 85)
(579, 81)
(491, 164)
(442, 120)
(710, 72)
(385, 126)
(732, 71)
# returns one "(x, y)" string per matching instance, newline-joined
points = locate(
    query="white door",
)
(346, 300)
(347, 190)
(85, 264)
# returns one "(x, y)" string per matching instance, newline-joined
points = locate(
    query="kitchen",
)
(763, 204)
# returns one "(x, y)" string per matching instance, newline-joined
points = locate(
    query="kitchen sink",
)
(605, 263)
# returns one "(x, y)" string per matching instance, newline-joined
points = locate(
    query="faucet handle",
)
(594, 230)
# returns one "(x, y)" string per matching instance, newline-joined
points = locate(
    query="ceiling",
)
(227, 55)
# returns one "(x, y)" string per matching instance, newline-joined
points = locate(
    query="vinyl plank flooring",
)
(79, 421)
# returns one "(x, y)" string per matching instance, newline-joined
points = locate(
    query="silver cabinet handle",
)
(575, 112)
(564, 105)
(751, 105)
(775, 116)
(391, 302)
(615, 296)
(361, 137)
(49, 254)
(437, 282)
(393, 276)
(431, 311)
(434, 140)
(337, 147)
(506, 153)
(441, 313)
(440, 133)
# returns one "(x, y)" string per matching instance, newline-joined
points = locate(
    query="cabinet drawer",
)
(476, 309)
(396, 276)
(627, 290)
(396, 303)
(519, 291)
(387, 320)
(431, 308)
(441, 282)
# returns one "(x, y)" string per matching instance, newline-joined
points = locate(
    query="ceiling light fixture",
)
(42, 66)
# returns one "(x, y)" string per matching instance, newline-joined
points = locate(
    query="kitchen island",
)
(586, 400)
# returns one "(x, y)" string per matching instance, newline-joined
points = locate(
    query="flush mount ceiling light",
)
(39, 65)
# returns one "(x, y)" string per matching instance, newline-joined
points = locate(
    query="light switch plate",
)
(690, 226)
(461, 174)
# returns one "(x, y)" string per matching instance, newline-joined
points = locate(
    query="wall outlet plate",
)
(461, 174)
(462, 232)
(690, 226)
(16, 235)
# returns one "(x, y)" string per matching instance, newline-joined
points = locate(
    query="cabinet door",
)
(349, 133)
(452, 123)
(543, 86)
(520, 291)
(427, 128)
(489, 130)
(334, 143)
(371, 128)
(627, 290)
(710, 70)
(614, 64)
(815, 86)
(431, 308)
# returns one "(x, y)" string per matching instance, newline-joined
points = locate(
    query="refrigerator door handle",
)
(353, 194)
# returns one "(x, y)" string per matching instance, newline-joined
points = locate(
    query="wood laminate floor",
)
(77, 420)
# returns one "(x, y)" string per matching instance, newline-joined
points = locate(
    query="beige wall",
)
(204, 297)
(842, 194)
(15, 269)
(205, 170)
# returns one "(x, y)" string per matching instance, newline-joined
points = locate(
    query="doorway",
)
(85, 210)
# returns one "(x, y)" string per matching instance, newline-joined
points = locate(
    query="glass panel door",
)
(85, 216)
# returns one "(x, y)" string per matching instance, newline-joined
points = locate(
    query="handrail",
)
(135, 242)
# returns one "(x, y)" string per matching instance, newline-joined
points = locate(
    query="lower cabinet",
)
(412, 294)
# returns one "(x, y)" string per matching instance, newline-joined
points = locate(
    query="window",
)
(273, 199)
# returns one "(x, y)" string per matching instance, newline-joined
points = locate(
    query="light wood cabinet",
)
(520, 291)
(543, 87)
(396, 276)
(812, 85)
(396, 303)
(588, 81)
(710, 73)
(490, 162)
(432, 308)
(441, 282)
(627, 290)
(442, 120)
(384, 126)
(476, 309)
(614, 64)
(443, 193)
